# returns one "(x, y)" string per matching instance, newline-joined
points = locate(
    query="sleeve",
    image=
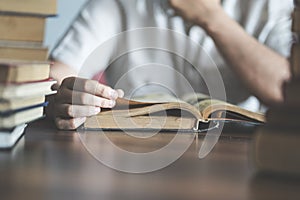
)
(98, 22)
(279, 37)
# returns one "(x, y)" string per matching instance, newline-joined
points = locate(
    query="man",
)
(249, 41)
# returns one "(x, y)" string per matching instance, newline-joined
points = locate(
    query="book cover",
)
(31, 7)
(296, 20)
(17, 103)
(39, 88)
(23, 52)
(22, 28)
(9, 113)
(14, 118)
(295, 60)
(275, 147)
(21, 71)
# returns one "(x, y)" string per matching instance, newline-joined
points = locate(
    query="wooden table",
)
(51, 164)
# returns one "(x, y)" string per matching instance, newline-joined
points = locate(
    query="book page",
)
(199, 105)
(220, 109)
(157, 98)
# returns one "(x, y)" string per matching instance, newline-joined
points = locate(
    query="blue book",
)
(10, 119)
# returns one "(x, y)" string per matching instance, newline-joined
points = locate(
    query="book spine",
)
(24, 54)
(44, 8)
(276, 146)
(21, 28)
(295, 52)
(295, 60)
(291, 93)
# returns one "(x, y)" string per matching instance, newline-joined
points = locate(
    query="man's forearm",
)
(261, 69)
(59, 71)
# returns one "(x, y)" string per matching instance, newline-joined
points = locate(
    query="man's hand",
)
(78, 98)
(262, 70)
(200, 12)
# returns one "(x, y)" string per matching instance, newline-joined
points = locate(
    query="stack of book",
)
(277, 146)
(24, 69)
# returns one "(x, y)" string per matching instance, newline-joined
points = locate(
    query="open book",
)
(160, 112)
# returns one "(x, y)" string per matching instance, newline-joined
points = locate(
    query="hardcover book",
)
(17, 103)
(22, 71)
(10, 91)
(295, 60)
(14, 51)
(193, 113)
(33, 7)
(10, 119)
(22, 28)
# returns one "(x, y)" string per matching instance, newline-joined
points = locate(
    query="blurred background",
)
(56, 26)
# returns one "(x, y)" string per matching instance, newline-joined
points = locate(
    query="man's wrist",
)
(214, 22)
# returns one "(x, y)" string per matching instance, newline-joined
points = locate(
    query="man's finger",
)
(120, 93)
(69, 124)
(91, 87)
(76, 111)
(66, 96)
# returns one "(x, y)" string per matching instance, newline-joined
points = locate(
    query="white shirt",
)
(100, 25)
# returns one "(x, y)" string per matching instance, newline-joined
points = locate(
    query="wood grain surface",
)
(52, 164)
